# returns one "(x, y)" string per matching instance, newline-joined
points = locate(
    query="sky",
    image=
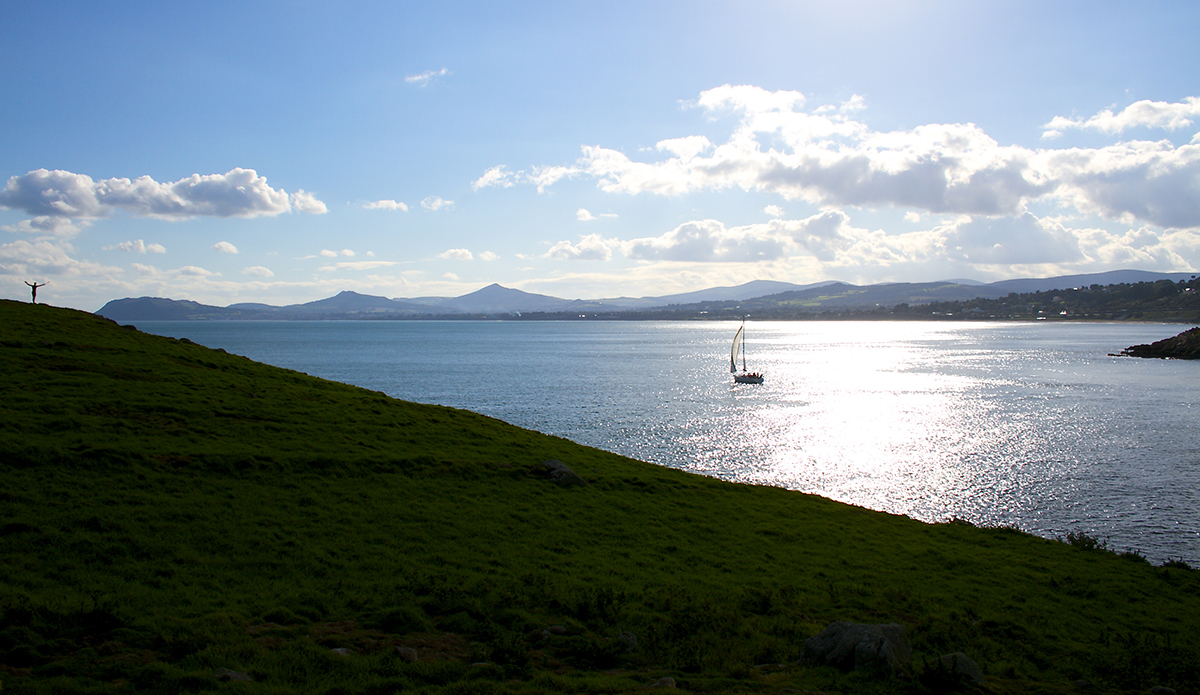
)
(282, 152)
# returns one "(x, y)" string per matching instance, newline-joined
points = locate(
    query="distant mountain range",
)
(495, 300)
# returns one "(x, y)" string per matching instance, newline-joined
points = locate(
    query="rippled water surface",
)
(1032, 425)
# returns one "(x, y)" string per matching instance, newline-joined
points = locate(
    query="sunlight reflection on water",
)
(930, 421)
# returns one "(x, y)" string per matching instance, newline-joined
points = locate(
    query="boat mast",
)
(743, 344)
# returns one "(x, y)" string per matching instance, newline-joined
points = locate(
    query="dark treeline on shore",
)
(1151, 301)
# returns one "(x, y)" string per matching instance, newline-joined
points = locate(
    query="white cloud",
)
(773, 210)
(138, 246)
(488, 256)
(44, 258)
(236, 193)
(386, 205)
(1145, 113)
(306, 202)
(347, 252)
(1154, 182)
(749, 99)
(424, 78)
(590, 248)
(823, 235)
(939, 168)
(911, 216)
(685, 148)
(356, 265)
(619, 174)
(496, 176)
(1142, 248)
(993, 246)
(450, 276)
(46, 225)
(1012, 241)
(1024, 245)
(225, 247)
(544, 177)
(828, 159)
(328, 254)
(456, 255)
(258, 271)
(583, 215)
(709, 240)
(195, 271)
(435, 203)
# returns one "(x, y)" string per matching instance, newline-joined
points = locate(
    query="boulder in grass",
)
(561, 474)
(629, 640)
(962, 665)
(225, 674)
(881, 649)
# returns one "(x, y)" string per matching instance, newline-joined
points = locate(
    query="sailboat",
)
(742, 377)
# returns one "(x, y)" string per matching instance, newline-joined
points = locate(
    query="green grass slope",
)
(169, 511)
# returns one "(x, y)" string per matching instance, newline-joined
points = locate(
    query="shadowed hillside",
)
(179, 519)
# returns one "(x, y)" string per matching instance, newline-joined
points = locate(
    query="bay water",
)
(1032, 425)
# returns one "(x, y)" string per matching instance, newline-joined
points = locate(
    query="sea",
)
(1031, 425)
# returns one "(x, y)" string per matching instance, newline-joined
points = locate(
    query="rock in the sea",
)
(960, 664)
(667, 682)
(408, 654)
(562, 475)
(1185, 346)
(859, 647)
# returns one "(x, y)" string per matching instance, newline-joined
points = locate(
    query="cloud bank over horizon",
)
(982, 191)
(826, 158)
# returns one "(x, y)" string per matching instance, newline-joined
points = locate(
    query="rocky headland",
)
(1185, 346)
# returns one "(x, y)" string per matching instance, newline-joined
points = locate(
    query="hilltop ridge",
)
(495, 299)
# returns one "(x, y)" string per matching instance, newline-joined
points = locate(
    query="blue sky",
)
(281, 152)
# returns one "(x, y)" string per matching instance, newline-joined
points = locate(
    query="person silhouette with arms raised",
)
(33, 288)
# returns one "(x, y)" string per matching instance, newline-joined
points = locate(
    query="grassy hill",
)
(174, 515)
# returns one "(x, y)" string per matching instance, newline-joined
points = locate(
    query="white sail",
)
(733, 351)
